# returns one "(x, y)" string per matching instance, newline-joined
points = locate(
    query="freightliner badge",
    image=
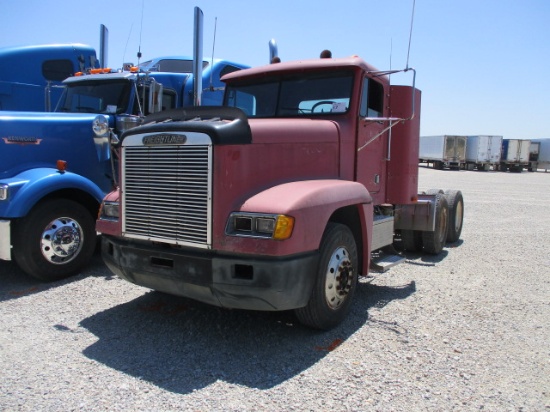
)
(164, 138)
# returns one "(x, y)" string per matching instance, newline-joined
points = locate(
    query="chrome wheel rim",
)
(61, 240)
(339, 278)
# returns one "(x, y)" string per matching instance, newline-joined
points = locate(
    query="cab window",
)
(309, 94)
(372, 99)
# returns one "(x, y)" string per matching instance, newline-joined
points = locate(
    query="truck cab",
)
(31, 76)
(279, 199)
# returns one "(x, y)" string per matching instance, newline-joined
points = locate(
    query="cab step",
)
(383, 262)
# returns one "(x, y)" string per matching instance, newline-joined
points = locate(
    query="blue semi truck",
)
(55, 168)
(31, 76)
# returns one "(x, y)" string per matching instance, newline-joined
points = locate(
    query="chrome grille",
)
(166, 193)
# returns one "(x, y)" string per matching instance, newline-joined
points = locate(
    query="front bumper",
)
(226, 280)
(5, 240)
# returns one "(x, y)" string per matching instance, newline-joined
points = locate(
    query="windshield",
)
(293, 95)
(110, 96)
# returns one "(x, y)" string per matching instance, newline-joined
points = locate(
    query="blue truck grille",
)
(166, 192)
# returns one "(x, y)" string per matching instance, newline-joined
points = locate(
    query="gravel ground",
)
(465, 330)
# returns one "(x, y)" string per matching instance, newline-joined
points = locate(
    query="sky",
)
(482, 65)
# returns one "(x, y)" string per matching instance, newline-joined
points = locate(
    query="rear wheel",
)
(433, 191)
(456, 214)
(55, 240)
(336, 280)
(411, 240)
(435, 241)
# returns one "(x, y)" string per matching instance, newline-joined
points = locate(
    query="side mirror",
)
(155, 97)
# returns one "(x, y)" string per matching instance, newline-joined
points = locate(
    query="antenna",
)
(127, 40)
(410, 36)
(140, 30)
(212, 58)
(391, 54)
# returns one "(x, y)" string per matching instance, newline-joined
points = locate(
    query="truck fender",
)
(311, 203)
(30, 186)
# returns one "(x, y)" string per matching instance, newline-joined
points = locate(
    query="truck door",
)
(372, 143)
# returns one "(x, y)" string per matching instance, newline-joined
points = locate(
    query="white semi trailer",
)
(539, 155)
(515, 155)
(483, 152)
(443, 151)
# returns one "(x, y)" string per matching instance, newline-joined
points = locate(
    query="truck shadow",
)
(181, 345)
(14, 283)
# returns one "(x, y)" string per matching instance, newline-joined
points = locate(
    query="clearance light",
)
(79, 74)
(61, 165)
(134, 69)
(101, 71)
(268, 226)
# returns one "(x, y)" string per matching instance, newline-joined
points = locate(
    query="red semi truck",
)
(280, 199)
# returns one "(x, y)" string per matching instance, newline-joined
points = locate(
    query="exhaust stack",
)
(103, 42)
(197, 57)
(273, 52)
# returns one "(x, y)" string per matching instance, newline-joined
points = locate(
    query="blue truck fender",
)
(30, 186)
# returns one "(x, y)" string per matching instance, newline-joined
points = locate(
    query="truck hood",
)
(32, 139)
(293, 130)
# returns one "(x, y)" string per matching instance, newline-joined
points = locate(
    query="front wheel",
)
(55, 240)
(336, 280)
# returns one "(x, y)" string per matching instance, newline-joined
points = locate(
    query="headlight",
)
(100, 126)
(109, 210)
(3, 192)
(269, 226)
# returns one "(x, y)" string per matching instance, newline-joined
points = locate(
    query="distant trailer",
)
(483, 152)
(515, 155)
(539, 155)
(443, 151)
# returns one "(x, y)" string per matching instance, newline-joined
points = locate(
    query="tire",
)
(411, 240)
(433, 191)
(336, 280)
(55, 240)
(438, 165)
(435, 241)
(455, 202)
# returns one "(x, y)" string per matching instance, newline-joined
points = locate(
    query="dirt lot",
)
(465, 330)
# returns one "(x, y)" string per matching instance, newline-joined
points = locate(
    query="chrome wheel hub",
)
(339, 278)
(61, 240)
